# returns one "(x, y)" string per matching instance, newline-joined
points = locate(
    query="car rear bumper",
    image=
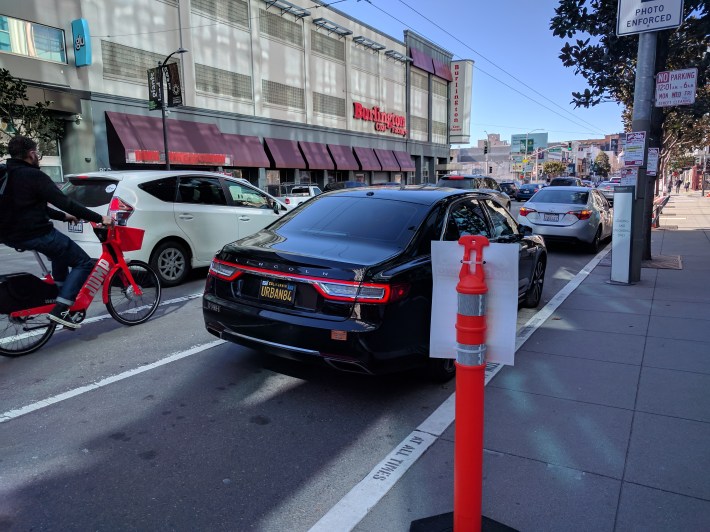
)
(344, 345)
(582, 232)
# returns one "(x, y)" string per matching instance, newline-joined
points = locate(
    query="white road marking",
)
(355, 505)
(14, 414)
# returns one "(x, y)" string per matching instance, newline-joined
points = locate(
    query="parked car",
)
(347, 278)
(566, 182)
(187, 215)
(607, 188)
(578, 214)
(338, 185)
(509, 187)
(475, 182)
(588, 183)
(299, 194)
(527, 191)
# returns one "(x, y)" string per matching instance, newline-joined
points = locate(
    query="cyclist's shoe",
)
(60, 314)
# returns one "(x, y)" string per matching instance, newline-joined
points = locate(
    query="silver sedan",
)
(576, 214)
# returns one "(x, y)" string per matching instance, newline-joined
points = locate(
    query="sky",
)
(511, 44)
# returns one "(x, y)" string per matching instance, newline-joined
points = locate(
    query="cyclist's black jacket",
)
(31, 190)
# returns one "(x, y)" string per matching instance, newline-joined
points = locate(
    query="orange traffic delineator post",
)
(470, 381)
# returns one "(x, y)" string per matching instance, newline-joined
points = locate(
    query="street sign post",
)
(676, 87)
(635, 147)
(640, 16)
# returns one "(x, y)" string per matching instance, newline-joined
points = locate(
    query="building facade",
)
(269, 90)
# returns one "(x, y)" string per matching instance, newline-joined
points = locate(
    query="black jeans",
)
(64, 254)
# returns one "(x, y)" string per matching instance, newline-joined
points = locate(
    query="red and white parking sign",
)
(676, 87)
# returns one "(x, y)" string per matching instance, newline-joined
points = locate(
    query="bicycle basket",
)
(129, 238)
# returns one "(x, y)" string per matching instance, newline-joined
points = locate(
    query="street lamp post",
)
(164, 104)
(486, 148)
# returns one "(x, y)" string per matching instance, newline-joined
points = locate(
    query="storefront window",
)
(32, 40)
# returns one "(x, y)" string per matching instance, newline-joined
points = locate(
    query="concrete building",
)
(271, 91)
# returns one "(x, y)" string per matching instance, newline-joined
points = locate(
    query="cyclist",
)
(25, 223)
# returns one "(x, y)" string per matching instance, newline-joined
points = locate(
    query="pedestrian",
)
(669, 186)
(25, 223)
(687, 186)
(678, 182)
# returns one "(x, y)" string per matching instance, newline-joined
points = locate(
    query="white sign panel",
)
(501, 271)
(460, 90)
(621, 235)
(639, 16)
(629, 176)
(676, 87)
(635, 145)
(652, 165)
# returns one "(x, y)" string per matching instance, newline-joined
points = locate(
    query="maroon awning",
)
(422, 60)
(343, 157)
(284, 153)
(387, 160)
(247, 151)
(139, 139)
(367, 159)
(316, 156)
(442, 70)
(406, 163)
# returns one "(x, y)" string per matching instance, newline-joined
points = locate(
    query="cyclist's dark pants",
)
(64, 254)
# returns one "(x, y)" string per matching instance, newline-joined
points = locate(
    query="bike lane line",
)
(14, 414)
(366, 494)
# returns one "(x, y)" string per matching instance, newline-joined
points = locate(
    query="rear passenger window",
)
(163, 189)
(90, 192)
(503, 223)
(243, 196)
(201, 190)
(466, 218)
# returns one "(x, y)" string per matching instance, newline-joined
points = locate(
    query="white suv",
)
(187, 216)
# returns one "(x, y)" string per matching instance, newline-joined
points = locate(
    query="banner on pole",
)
(173, 83)
(154, 89)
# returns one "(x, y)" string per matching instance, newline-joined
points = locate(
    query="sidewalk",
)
(604, 421)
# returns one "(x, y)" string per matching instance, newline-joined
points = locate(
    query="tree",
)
(608, 63)
(18, 117)
(601, 164)
(554, 168)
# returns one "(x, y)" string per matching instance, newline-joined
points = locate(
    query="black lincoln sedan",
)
(347, 278)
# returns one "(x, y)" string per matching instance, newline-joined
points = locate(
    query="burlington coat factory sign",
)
(391, 122)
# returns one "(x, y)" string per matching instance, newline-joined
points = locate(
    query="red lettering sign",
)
(391, 122)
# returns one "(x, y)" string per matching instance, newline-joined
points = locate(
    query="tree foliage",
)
(601, 164)
(554, 168)
(608, 64)
(34, 121)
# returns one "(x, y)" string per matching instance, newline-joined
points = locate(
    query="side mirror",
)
(525, 230)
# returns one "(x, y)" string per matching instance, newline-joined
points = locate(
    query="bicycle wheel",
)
(22, 336)
(123, 304)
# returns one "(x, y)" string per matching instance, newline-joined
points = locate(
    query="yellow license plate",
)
(276, 291)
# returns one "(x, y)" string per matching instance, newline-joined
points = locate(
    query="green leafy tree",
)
(601, 164)
(18, 117)
(608, 64)
(554, 168)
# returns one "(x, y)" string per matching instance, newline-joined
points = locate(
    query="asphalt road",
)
(188, 433)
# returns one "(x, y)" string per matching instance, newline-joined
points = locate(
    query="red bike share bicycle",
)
(131, 293)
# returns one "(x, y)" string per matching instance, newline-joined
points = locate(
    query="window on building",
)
(222, 82)
(32, 40)
(231, 11)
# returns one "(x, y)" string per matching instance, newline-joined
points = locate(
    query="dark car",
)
(527, 191)
(339, 185)
(566, 182)
(509, 187)
(347, 278)
(479, 183)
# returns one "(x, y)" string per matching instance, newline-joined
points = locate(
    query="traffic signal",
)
(485, 147)
(490, 169)
(569, 146)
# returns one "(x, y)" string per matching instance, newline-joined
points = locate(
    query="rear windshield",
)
(381, 222)
(530, 187)
(90, 192)
(561, 196)
(300, 191)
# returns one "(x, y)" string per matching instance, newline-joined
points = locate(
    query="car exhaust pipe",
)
(347, 366)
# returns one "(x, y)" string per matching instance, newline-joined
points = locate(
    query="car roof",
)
(568, 189)
(421, 194)
(467, 176)
(141, 175)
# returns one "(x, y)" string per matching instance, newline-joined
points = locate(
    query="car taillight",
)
(454, 177)
(224, 271)
(582, 215)
(287, 201)
(119, 210)
(354, 291)
(524, 211)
